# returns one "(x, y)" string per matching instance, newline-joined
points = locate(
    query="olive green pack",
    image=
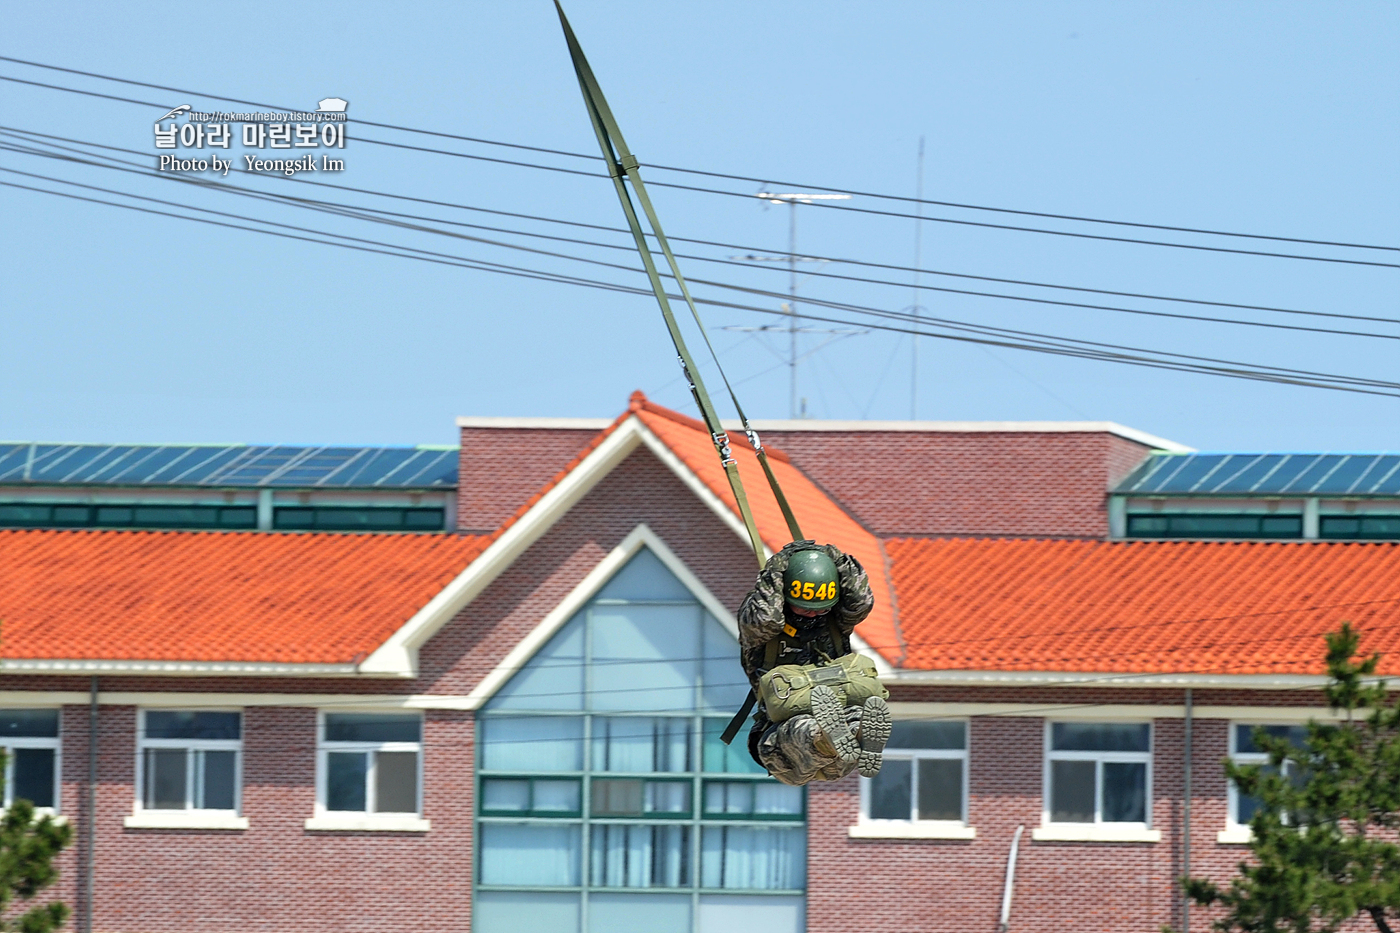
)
(787, 690)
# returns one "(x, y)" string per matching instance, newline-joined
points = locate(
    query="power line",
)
(748, 178)
(701, 242)
(1039, 343)
(1044, 339)
(739, 194)
(354, 212)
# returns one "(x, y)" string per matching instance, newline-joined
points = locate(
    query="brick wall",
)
(275, 875)
(955, 886)
(278, 876)
(500, 468)
(923, 483)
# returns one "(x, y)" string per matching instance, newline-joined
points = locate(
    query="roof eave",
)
(994, 678)
(182, 668)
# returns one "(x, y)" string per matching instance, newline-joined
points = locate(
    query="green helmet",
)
(810, 581)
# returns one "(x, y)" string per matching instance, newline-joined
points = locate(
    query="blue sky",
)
(1270, 118)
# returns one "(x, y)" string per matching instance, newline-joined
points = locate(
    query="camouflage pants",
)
(797, 752)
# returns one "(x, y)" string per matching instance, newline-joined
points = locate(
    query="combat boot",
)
(873, 733)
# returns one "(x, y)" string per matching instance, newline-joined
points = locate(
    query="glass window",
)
(347, 518)
(1214, 525)
(1359, 526)
(189, 760)
(1246, 751)
(753, 857)
(634, 855)
(602, 776)
(30, 741)
(1098, 772)
(370, 762)
(924, 775)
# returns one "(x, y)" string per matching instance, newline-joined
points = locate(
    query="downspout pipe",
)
(90, 855)
(1010, 885)
(1186, 812)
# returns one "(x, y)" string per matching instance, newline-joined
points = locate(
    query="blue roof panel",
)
(238, 465)
(1265, 474)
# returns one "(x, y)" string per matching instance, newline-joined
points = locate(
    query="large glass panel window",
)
(370, 762)
(30, 741)
(189, 760)
(924, 776)
(1244, 750)
(1098, 772)
(604, 788)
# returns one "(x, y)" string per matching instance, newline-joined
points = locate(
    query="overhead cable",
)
(361, 213)
(820, 204)
(701, 242)
(746, 178)
(1100, 352)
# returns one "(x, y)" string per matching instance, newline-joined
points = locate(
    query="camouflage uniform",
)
(796, 751)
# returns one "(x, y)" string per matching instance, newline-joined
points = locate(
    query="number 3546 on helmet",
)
(811, 582)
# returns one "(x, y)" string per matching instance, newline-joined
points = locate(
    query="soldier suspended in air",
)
(823, 713)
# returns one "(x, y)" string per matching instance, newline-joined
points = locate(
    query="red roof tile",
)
(1141, 607)
(209, 596)
(817, 513)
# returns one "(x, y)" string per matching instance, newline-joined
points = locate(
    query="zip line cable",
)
(1255, 372)
(623, 165)
(747, 178)
(5, 130)
(357, 212)
(821, 204)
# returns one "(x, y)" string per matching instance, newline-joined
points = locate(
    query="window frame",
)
(139, 808)
(1100, 758)
(914, 756)
(55, 743)
(327, 818)
(1233, 827)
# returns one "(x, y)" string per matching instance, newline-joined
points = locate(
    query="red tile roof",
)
(210, 596)
(1142, 607)
(817, 513)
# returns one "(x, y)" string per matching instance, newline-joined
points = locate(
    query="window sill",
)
(931, 829)
(1235, 836)
(1094, 832)
(368, 822)
(184, 819)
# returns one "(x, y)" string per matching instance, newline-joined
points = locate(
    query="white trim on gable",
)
(640, 537)
(398, 656)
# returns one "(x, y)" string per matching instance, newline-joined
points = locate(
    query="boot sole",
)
(874, 733)
(830, 715)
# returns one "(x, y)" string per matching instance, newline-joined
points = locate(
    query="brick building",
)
(496, 704)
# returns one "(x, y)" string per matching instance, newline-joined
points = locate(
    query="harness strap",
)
(770, 658)
(623, 164)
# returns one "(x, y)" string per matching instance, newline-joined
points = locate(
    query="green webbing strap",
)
(621, 162)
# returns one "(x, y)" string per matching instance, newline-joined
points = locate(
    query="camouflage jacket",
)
(764, 612)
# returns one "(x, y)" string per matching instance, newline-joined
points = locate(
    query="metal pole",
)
(90, 856)
(1186, 816)
(1010, 885)
(792, 309)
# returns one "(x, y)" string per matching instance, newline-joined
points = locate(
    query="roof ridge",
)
(639, 402)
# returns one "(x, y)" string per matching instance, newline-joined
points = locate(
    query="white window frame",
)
(914, 828)
(351, 820)
(1235, 832)
(56, 744)
(1099, 830)
(190, 817)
